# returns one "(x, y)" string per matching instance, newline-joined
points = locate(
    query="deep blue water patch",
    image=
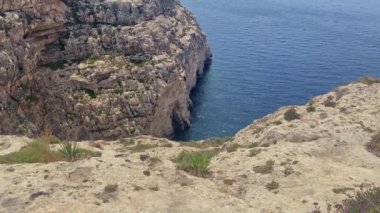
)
(271, 53)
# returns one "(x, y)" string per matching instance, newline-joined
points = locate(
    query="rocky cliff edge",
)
(96, 69)
(288, 161)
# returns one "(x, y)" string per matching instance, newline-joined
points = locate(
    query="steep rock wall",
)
(94, 69)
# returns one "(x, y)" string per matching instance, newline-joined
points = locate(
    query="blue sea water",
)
(271, 53)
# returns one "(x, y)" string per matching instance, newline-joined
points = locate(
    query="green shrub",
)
(272, 185)
(71, 151)
(211, 142)
(369, 80)
(374, 145)
(141, 147)
(233, 148)
(363, 201)
(266, 169)
(253, 145)
(292, 114)
(195, 163)
(254, 152)
(270, 163)
(329, 102)
(35, 152)
(59, 64)
(111, 188)
(91, 93)
(310, 108)
(91, 61)
(127, 141)
(31, 98)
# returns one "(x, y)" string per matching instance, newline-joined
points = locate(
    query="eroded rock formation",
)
(92, 69)
(274, 165)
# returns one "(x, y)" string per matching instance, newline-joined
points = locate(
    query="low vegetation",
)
(35, 152)
(369, 80)
(367, 201)
(272, 185)
(310, 108)
(71, 151)
(127, 141)
(329, 102)
(91, 93)
(254, 152)
(141, 147)
(292, 114)
(233, 147)
(59, 64)
(195, 163)
(364, 201)
(374, 145)
(266, 169)
(39, 151)
(111, 188)
(342, 190)
(211, 142)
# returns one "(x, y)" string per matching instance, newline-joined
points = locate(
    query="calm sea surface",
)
(271, 53)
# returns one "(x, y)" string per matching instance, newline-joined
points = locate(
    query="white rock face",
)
(94, 69)
(321, 157)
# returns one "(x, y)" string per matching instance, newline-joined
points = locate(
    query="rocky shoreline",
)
(297, 159)
(94, 69)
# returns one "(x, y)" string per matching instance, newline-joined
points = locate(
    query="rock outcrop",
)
(97, 69)
(318, 155)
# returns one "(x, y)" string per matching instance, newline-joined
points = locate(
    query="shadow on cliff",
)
(196, 95)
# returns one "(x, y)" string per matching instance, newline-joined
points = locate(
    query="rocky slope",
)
(315, 153)
(91, 69)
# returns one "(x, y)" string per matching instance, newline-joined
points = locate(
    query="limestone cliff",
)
(285, 162)
(95, 69)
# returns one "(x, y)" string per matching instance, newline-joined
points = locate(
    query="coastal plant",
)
(253, 145)
(270, 163)
(55, 65)
(70, 151)
(374, 145)
(329, 102)
(127, 141)
(364, 201)
(35, 152)
(91, 93)
(369, 80)
(310, 108)
(195, 163)
(266, 169)
(31, 98)
(111, 188)
(272, 185)
(291, 114)
(208, 143)
(233, 148)
(141, 147)
(254, 152)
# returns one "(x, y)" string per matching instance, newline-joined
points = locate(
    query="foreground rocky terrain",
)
(95, 69)
(288, 161)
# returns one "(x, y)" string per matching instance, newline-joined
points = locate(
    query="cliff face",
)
(93, 69)
(285, 162)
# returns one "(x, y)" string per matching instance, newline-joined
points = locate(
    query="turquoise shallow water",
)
(271, 53)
